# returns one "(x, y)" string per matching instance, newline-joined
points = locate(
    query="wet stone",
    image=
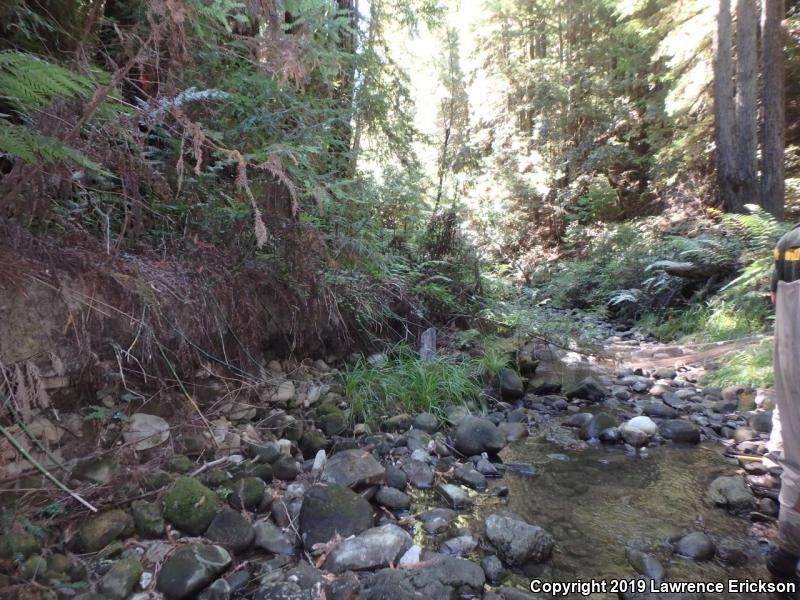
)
(455, 496)
(230, 530)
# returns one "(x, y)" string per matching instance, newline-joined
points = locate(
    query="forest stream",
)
(549, 485)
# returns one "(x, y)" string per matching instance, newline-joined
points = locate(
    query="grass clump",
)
(751, 367)
(401, 381)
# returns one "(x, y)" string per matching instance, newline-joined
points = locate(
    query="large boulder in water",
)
(518, 542)
(680, 431)
(589, 389)
(599, 423)
(476, 435)
(732, 493)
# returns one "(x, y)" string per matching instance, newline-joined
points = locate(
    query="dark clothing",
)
(787, 258)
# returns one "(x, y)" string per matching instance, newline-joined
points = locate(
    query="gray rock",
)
(285, 468)
(397, 423)
(696, 545)
(645, 564)
(271, 538)
(599, 423)
(579, 420)
(376, 547)
(762, 421)
(511, 386)
(248, 492)
(459, 546)
(665, 373)
(230, 530)
(476, 435)
(657, 409)
(190, 568)
(442, 577)
(145, 431)
(98, 531)
(732, 493)
(266, 452)
(219, 590)
(493, 568)
(588, 389)
(395, 477)
(420, 474)
(456, 413)
(454, 495)
(633, 436)
(281, 590)
(513, 431)
(353, 469)
(437, 520)
(147, 519)
(331, 509)
(119, 582)
(468, 475)
(392, 498)
(95, 470)
(426, 422)
(517, 541)
(680, 431)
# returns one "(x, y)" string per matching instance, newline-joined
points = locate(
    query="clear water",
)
(602, 500)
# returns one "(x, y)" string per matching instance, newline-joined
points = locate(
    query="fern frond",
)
(34, 148)
(30, 82)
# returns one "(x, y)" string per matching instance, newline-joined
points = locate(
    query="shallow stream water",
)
(598, 502)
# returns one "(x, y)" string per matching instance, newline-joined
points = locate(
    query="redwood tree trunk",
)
(724, 116)
(773, 106)
(746, 160)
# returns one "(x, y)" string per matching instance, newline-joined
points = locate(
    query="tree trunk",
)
(746, 159)
(724, 121)
(773, 107)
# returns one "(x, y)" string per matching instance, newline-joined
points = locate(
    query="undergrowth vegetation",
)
(710, 283)
(399, 380)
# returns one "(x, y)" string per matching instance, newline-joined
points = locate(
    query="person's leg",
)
(787, 396)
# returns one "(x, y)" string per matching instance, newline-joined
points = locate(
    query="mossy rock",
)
(190, 506)
(216, 478)
(95, 533)
(19, 545)
(247, 493)
(181, 464)
(157, 480)
(121, 579)
(34, 568)
(147, 518)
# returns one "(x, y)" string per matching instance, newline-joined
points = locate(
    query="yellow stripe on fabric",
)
(792, 254)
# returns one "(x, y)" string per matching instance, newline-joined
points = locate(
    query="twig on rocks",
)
(13, 441)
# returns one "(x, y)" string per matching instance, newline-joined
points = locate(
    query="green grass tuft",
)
(752, 367)
(403, 382)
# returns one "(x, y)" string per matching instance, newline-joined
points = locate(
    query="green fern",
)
(29, 82)
(34, 148)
